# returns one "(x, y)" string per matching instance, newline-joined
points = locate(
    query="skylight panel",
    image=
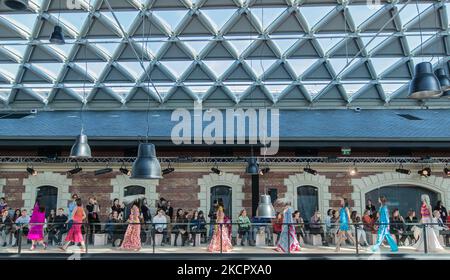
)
(218, 66)
(95, 69)
(240, 45)
(313, 14)
(380, 64)
(260, 66)
(17, 49)
(171, 17)
(108, 48)
(238, 90)
(74, 21)
(314, 89)
(328, 43)
(339, 64)
(377, 40)
(134, 68)
(360, 13)
(197, 46)
(23, 21)
(62, 49)
(414, 41)
(390, 88)
(410, 11)
(9, 70)
(284, 44)
(266, 15)
(218, 17)
(177, 67)
(51, 69)
(151, 46)
(352, 88)
(301, 65)
(4, 93)
(125, 18)
(276, 90)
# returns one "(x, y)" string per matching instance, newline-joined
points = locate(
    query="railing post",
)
(356, 239)
(86, 240)
(221, 238)
(152, 232)
(289, 237)
(19, 241)
(425, 241)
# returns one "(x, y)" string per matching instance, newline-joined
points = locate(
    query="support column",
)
(255, 193)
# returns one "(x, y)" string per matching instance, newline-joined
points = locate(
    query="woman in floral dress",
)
(132, 239)
(220, 238)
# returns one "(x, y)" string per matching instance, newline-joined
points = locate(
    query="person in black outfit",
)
(169, 209)
(180, 227)
(116, 206)
(370, 207)
(397, 227)
(58, 228)
(409, 224)
(93, 210)
(6, 225)
(212, 215)
(117, 229)
(145, 211)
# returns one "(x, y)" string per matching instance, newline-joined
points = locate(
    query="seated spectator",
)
(334, 223)
(3, 204)
(160, 223)
(328, 225)
(118, 229)
(397, 227)
(22, 225)
(194, 226)
(5, 225)
(58, 228)
(258, 223)
(117, 206)
(299, 226)
(360, 231)
(244, 226)
(180, 227)
(410, 222)
(438, 224)
(277, 225)
(315, 227)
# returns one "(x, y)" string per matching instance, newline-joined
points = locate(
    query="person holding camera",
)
(93, 210)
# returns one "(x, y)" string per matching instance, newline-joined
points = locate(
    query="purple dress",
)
(37, 224)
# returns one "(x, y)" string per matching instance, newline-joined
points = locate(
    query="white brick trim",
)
(305, 179)
(366, 184)
(122, 181)
(57, 180)
(227, 179)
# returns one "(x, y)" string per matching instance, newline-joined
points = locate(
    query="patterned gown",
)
(215, 244)
(288, 239)
(37, 224)
(132, 239)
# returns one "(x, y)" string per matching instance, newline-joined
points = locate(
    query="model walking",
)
(75, 235)
(132, 238)
(37, 220)
(344, 228)
(220, 240)
(383, 229)
(432, 240)
(288, 239)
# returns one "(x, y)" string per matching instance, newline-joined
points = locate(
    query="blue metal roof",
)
(377, 125)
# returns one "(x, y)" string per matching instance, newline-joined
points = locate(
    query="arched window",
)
(307, 201)
(224, 193)
(133, 190)
(403, 197)
(49, 197)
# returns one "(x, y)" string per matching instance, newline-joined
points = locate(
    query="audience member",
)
(244, 226)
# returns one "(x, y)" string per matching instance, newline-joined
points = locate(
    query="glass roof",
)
(119, 54)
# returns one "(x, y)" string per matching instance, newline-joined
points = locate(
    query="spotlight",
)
(125, 171)
(353, 171)
(76, 170)
(264, 171)
(103, 171)
(309, 170)
(447, 171)
(17, 4)
(31, 171)
(425, 172)
(403, 171)
(217, 171)
(57, 36)
(168, 170)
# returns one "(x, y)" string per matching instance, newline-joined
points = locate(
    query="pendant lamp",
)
(424, 84)
(146, 165)
(444, 81)
(81, 147)
(252, 166)
(18, 5)
(265, 208)
(57, 36)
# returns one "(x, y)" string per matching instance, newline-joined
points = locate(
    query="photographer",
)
(93, 210)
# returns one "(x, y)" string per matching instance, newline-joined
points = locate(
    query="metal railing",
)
(116, 231)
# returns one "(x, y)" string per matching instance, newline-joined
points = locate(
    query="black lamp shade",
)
(444, 81)
(81, 148)
(16, 4)
(57, 36)
(425, 84)
(146, 165)
(252, 167)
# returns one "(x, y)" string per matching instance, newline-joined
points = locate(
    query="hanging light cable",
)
(57, 36)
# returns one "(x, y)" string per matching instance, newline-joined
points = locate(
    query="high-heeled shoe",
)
(33, 247)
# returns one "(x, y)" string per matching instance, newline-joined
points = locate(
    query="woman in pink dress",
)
(220, 240)
(37, 220)
(75, 235)
(132, 239)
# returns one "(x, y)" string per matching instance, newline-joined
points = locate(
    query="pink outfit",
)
(216, 244)
(132, 239)
(37, 221)
(75, 235)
